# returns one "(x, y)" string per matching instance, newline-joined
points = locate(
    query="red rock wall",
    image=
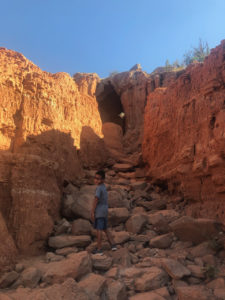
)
(42, 116)
(184, 135)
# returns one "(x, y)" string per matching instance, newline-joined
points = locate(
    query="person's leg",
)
(109, 237)
(99, 239)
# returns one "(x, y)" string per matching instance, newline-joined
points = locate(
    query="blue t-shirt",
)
(101, 210)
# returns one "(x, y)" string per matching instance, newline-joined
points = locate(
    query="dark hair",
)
(101, 173)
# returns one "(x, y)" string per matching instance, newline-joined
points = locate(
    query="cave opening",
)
(110, 106)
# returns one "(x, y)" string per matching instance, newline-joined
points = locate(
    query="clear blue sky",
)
(108, 35)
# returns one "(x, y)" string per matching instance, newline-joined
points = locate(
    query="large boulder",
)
(75, 265)
(195, 230)
(79, 203)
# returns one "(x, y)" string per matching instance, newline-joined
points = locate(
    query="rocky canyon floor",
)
(161, 253)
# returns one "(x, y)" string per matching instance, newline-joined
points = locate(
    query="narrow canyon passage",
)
(110, 106)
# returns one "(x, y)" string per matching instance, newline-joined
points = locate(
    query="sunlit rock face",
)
(184, 135)
(42, 116)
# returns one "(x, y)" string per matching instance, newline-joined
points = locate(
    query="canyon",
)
(161, 134)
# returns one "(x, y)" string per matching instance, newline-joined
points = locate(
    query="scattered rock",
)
(194, 293)
(67, 250)
(81, 227)
(117, 215)
(7, 279)
(116, 199)
(175, 269)
(122, 167)
(30, 277)
(62, 241)
(136, 223)
(93, 284)
(53, 257)
(116, 290)
(154, 278)
(162, 241)
(120, 237)
(138, 185)
(101, 263)
(63, 226)
(196, 271)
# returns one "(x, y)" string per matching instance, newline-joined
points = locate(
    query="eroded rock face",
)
(184, 135)
(41, 120)
(127, 92)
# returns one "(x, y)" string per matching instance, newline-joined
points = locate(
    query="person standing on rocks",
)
(99, 212)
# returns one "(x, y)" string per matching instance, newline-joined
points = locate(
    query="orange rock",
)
(184, 140)
(42, 117)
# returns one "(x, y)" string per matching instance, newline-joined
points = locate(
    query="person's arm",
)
(93, 208)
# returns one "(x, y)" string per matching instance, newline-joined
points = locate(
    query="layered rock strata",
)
(184, 135)
(42, 116)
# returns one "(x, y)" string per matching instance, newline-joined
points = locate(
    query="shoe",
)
(113, 247)
(96, 251)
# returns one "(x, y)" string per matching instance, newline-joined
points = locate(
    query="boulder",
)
(120, 237)
(81, 227)
(117, 215)
(175, 269)
(75, 265)
(169, 214)
(93, 284)
(7, 279)
(65, 251)
(202, 250)
(196, 271)
(138, 185)
(50, 256)
(122, 257)
(101, 263)
(152, 279)
(197, 292)
(116, 290)
(136, 223)
(62, 226)
(122, 167)
(30, 277)
(147, 296)
(162, 241)
(62, 241)
(79, 203)
(195, 230)
(117, 199)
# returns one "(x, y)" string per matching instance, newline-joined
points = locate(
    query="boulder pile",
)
(162, 254)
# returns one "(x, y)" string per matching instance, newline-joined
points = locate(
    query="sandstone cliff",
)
(184, 135)
(42, 116)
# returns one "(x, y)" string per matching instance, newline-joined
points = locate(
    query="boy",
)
(99, 212)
